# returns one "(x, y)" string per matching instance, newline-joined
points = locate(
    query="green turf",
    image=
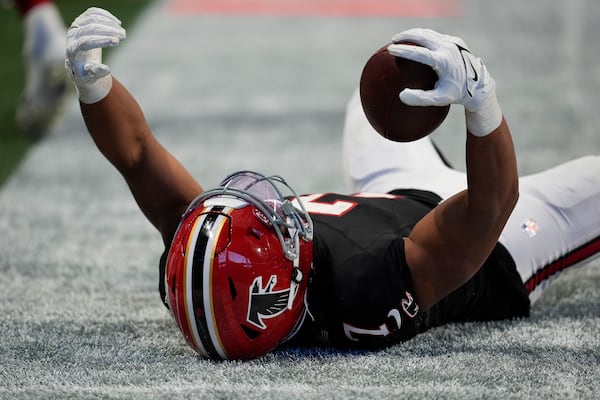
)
(13, 144)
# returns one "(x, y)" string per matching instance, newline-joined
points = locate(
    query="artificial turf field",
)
(232, 88)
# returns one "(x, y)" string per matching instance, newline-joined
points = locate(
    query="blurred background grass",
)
(13, 144)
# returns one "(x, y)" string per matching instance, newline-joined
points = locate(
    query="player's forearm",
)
(492, 176)
(118, 127)
(449, 245)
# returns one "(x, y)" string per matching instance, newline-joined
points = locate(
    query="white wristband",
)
(487, 118)
(90, 93)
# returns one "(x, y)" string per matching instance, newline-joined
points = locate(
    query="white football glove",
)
(462, 77)
(89, 33)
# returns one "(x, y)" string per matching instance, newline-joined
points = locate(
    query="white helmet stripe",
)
(208, 286)
(189, 304)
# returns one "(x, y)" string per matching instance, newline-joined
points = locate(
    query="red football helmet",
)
(238, 267)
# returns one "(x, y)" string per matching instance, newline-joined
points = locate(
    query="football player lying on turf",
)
(250, 265)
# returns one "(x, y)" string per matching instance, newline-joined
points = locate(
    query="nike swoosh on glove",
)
(462, 77)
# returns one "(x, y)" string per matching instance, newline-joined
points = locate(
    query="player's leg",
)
(556, 223)
(375, 164)
(24, 6)
(44, 57)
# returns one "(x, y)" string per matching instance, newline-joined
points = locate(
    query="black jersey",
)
(360, 292)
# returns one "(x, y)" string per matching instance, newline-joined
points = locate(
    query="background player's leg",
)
(375, 164)
(44, 55)
(24, 6)
(555, 223)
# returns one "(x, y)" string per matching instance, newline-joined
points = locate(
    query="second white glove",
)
(89, 33)
(462, 77)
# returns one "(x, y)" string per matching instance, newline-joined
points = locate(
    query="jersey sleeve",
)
(384, 309)
(373, 304)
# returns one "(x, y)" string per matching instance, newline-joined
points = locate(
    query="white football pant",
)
(555, 224)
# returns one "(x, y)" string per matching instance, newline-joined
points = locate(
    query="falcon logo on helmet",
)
(228, 242)
(266, 303)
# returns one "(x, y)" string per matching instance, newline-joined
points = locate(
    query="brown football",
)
(383, 77)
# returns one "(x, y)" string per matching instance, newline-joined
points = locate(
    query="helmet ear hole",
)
(251, 333)
(232, 289)
(252, 231)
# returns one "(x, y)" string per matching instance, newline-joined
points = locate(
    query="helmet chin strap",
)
(297, 275)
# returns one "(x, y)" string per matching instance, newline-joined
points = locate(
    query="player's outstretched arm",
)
(449, 245)
(161, 186)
